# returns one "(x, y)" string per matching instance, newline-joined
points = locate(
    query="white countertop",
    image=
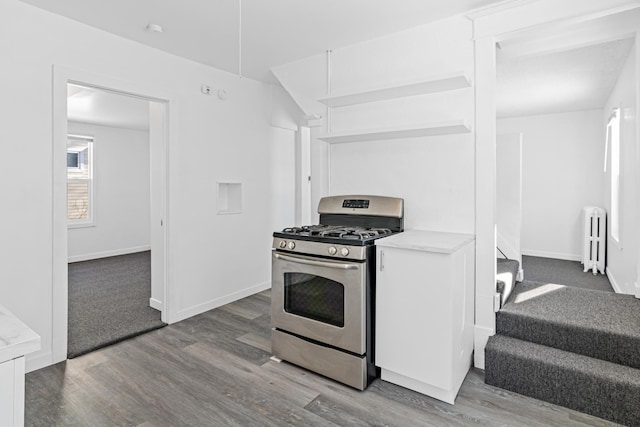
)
(427, 241)
(16, 338)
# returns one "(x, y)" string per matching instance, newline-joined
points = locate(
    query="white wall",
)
(621, 257)
(509, 195)
(435, 175)
(208, 260)
(121, 194)
(562, 171)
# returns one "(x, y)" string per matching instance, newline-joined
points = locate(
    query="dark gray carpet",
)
(109, 302)
(562, 272)
(588, 385)
(579, 348)
(598, 324)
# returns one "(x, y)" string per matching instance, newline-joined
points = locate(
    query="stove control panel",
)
(356, 203)
(304, 247)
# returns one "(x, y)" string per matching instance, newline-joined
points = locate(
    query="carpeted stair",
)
(574, 347)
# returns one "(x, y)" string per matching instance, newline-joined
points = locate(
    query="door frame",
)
(59, 295)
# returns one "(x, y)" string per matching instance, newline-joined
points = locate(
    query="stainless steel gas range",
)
(323, 287)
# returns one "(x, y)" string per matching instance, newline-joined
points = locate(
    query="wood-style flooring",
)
(215, 370)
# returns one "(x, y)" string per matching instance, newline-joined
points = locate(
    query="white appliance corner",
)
(220, 301)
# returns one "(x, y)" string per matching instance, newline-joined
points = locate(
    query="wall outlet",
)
(205, 89)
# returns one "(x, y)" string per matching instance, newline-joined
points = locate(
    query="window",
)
(613, 139)
(79, 180)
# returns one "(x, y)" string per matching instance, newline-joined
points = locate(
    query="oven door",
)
(320, 299)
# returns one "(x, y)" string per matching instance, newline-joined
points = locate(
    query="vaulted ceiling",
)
(266, 32)
(553, 69)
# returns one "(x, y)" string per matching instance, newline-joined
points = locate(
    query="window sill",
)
(81, 225)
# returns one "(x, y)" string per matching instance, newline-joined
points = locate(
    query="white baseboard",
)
(38, 361)
(106, 254)
(614, 283)
(157, 304)
(209, 305)
(556, 255)
(480, 338)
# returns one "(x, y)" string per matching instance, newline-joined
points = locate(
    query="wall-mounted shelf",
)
(439, 83)
(431, 129)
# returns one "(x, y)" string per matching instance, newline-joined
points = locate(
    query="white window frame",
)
(91, 220)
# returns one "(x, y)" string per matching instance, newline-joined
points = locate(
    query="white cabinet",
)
(12, 392)
(16, 340)
(425, 310)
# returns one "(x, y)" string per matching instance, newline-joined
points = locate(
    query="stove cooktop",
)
(345, 235)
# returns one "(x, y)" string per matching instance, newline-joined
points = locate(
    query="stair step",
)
(598, 324)
(596, 387)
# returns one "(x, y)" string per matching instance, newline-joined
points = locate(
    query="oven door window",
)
(314, 297)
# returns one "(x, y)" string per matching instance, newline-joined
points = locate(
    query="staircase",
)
(569, 346)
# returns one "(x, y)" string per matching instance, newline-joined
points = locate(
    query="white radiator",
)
(595, 239)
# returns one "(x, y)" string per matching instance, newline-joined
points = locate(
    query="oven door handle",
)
(306, 261)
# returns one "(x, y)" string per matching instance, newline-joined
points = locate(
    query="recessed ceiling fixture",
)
(153, 28)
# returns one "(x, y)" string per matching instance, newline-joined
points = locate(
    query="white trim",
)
(38, 362)
(556, 255)
(215, 303)
(480, 337)
(485, 193)
(157, 304)
(106, 254)
(61, 76)
(527, 15)
(614, 283)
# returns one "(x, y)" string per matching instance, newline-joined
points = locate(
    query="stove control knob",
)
(292, 245)
(344, 251)
(332, 250)
(283, 244)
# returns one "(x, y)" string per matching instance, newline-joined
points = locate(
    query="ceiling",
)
(274, 32)
(548, 70)
(100, 107)
(563, 67)
(572, 80)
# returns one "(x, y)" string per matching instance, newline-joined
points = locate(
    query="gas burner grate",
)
(309, 230)
(355, 233)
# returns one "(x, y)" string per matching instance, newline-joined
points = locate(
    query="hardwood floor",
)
(215, 370)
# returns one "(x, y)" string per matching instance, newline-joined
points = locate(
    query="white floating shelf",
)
(432, 129)
(440, 83)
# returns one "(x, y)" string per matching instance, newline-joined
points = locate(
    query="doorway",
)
(158, 135)
(554, 86)
(108, 211)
